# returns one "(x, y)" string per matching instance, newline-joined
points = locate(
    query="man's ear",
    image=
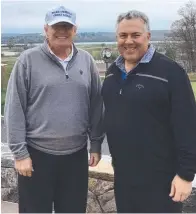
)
(45, 30)
(149, 35)
(75, 29)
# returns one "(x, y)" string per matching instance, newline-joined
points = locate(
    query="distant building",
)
(10, 53)
(3, 67)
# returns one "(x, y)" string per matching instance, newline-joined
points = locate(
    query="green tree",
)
(11, 43)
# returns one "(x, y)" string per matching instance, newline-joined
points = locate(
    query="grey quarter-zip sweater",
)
(52, 109)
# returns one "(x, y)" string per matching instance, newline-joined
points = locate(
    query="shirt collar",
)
(145, 59)
(66, 59)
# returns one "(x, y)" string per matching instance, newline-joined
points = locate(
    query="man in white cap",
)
(53, 104)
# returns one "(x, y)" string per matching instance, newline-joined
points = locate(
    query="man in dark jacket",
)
(150, 121)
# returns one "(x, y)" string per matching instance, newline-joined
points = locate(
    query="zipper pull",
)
(120, 91)
(66, 73)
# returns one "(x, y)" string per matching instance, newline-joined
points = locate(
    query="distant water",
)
(94, 43)
(87, 43)
(76, 43)
(107, 43)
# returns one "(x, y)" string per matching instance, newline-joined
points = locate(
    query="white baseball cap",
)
(60, 14)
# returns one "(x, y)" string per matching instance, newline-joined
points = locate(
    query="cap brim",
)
(61, 20)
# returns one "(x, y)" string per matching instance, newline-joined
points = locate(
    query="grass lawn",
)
(3, 94)
(194, 87)
(192, 77)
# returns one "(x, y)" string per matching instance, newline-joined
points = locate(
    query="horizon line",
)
(79, 31)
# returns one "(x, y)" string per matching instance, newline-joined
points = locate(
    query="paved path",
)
(8, 207)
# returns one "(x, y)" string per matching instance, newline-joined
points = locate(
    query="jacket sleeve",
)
(14, 113)
(96, 133)
(183, 121)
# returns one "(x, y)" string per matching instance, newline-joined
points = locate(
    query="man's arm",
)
(14, 114)
(96, 133)
(183, 121)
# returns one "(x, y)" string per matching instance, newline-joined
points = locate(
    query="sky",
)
(92, 15)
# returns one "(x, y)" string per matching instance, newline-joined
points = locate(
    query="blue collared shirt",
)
(120, 62)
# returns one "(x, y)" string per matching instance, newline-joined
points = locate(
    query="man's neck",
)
(129, 65)
(62, 53)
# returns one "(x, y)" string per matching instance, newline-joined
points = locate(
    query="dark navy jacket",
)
(150, 121)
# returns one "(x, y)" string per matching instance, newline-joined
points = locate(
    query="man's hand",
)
(24, 167)
(180, 189)
(94, 159)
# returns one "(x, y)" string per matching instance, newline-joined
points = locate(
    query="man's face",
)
(132, 39)
(60, 34)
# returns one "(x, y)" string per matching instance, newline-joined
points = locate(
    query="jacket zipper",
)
(123, 83)
(66, 73)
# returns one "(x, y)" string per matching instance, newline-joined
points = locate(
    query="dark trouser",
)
(62, 180)
(143, 199)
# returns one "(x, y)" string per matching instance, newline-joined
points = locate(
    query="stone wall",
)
(100, 193)
(8, 181)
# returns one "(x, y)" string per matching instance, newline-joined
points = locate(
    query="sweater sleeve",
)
(96, 133)
(183, 121)
(14, 113)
